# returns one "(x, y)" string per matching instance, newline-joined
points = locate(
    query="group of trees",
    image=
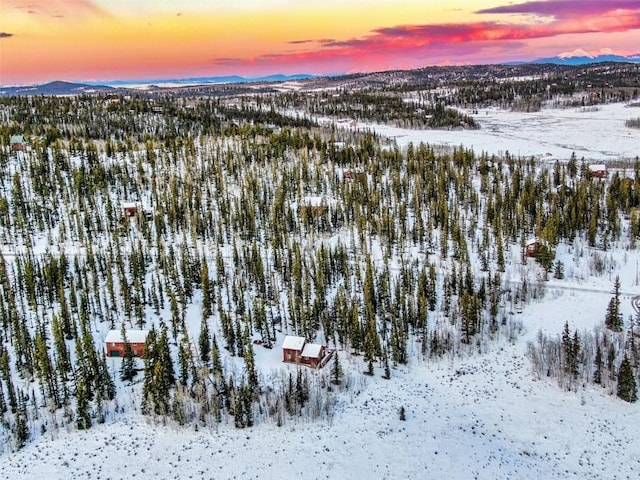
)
(225, 251)
(608, 357)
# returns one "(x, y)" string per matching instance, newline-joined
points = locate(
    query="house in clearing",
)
(298, 350)
(531, 247)
(17, 143)
(130, 209)
(598, 170)
(114, 342)
(355, 174)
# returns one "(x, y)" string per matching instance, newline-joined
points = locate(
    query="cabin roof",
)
(133, 336)
(293, 343)
(312, 350)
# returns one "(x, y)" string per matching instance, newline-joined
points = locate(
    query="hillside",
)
(259, 217)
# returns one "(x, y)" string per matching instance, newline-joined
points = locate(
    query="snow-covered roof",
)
(130, 205)
(312, 350)
(597, 167)
(532, 241)
(17, 139)
(293, 343)
(133, 336)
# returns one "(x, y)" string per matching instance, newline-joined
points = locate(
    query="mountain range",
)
(581, 57)
(569, 59)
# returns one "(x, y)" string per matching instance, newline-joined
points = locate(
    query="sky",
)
(105, 40)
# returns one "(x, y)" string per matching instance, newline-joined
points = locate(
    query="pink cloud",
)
(566, 8)
(382, 45)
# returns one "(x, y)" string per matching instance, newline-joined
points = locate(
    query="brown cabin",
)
(129, 209)
(297, 350)
(114, 342)
(531, 247)
(353, 175)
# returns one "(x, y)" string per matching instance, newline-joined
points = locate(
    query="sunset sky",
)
(102, 40)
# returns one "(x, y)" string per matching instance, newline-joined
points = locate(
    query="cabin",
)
(598, 170)
(531, 247)
(114, 343)
(130, 209)
(298, 350)
(356, 174)
(18, 143)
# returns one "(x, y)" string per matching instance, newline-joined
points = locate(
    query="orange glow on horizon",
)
(99, 43)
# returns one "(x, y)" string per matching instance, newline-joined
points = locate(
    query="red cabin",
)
(598, 171)
(115, 343)
(297, 350)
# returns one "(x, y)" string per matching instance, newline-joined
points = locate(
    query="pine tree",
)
(599, 365)
(336, 371)
(215, 355)
(250, 363)
(22, 430)
(627, 387)
(204, 342)
(127, 368)
(184, 360)
(613, 319)
(83, 418)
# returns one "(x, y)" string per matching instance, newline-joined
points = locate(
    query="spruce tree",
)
(204, 342)
(83, 418)
(627, 387)
(599, 365)
(336, 370)
(127, 368)
(613, 319)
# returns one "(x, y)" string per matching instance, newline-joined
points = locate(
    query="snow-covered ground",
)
(479, 418)
(595, 133)
(483, 417)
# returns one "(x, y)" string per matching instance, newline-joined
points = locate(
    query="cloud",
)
(418, 42)
(58, 8)
(566, 8)
(5, 35)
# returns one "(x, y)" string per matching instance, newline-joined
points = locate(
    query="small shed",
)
(531, 247)
(17, 143)
(114, 342)
(598, 170)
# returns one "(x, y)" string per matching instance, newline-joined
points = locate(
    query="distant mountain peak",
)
(584, 57)
(579, 52)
